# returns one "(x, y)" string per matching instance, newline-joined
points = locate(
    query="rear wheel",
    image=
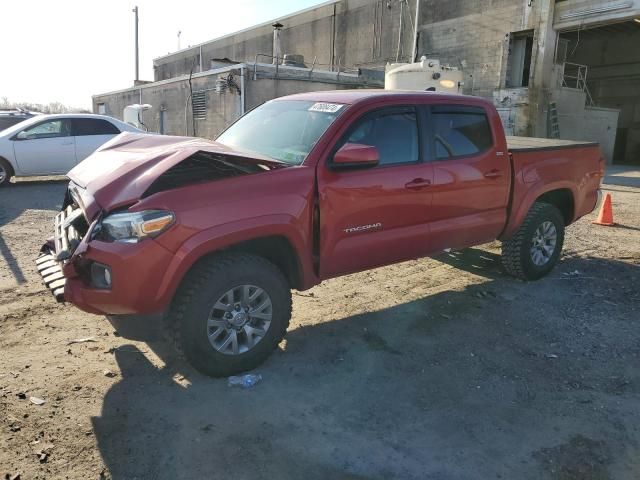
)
(230, 313)
(6, 172)
(535, 248)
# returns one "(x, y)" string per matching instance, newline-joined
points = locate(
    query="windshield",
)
(285, 130)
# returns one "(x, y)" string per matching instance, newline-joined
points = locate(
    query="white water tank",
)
(427, 74)
(132, 115)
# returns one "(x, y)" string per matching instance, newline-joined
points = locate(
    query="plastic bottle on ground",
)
(244, 381)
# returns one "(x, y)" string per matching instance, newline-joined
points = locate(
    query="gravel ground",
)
(431, 369)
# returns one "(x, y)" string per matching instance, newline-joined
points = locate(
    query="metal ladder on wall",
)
(553, 125)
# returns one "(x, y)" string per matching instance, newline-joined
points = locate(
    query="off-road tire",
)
(516, 256)
(200, 289)
(6, 166)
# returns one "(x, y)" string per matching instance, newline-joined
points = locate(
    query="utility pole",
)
(179, 33)
(135, 11)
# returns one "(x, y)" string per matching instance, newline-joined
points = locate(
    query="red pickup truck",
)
(301, 189)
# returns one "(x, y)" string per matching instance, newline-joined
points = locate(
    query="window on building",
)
(562, 50)
(459, 131)
(93, 126)
(102, 109)
(519, 63)
(393, 133)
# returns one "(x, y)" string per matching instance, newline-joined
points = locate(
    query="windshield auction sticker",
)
(325, 107)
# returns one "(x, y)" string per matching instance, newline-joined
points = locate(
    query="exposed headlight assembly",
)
(132, 227)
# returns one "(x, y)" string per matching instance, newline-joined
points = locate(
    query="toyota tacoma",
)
(301, 189)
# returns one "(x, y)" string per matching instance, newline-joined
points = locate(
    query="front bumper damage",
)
(68, 265)
(67, 237)
(52, 274)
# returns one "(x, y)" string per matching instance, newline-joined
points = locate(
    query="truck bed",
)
(521, 144)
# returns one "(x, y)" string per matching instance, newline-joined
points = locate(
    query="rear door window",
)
(459, 131)
(93, 126)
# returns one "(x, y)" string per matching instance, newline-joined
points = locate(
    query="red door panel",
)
(471, 178)
(373, 217)
(376, 216)
(469, 202)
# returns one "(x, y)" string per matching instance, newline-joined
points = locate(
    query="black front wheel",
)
(6, 172)
(535, 248)
(231, 312)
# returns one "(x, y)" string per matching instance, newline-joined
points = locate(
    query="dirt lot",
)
(442, 369)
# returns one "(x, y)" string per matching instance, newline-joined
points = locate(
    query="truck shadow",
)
(16, 199)
(441, 387)
(474, 260)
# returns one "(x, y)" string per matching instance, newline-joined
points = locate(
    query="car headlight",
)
(133, 227)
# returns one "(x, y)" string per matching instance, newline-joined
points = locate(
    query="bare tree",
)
(51, 107)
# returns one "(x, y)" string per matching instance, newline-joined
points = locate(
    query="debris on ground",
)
(44, 452)
(81, 340)
(109, 373)
(245, 381)
(37, 400)
(575, 273)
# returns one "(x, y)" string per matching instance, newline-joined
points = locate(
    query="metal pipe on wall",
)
(414, 51)
(333, 38)
(242, 70)
(277, 47)
(400, 31)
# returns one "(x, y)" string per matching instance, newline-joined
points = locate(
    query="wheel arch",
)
(276, 242)
(563, 200)
(275, 248)
(562, 195)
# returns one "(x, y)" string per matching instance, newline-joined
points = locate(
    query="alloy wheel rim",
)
(543, 243)
(3, 174)
(239, 319)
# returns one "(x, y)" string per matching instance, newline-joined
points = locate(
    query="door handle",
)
(417, 183)
(495, 173)
(66, 143)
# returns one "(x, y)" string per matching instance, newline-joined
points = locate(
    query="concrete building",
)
(565, 68)
(204, 103)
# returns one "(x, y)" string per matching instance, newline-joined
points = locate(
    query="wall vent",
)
(199, 105)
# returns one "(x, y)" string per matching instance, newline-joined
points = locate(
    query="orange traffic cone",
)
(606, 212)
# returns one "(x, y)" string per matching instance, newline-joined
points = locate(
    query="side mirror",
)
(356, 155)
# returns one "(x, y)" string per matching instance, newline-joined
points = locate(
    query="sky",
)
(67, 50)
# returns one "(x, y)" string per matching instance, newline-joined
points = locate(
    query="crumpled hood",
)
(121, 170)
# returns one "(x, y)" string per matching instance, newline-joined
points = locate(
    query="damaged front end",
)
(105, 256)
(70, 228)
